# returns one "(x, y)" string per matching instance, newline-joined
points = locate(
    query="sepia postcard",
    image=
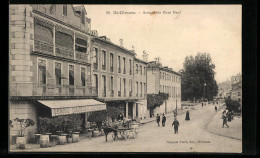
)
(125, 78)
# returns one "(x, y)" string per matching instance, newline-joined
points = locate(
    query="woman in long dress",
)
(187, 115)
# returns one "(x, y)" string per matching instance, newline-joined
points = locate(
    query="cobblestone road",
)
(193, 137)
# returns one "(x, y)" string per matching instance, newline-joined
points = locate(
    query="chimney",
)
(145, 56)
(157, 60)
(121, 42)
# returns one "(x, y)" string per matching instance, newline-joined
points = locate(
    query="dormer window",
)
(65, 10)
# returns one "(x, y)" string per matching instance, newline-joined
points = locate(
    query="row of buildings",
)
(231, 88)
(59, 66)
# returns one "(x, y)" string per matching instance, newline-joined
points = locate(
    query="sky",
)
(174, 32)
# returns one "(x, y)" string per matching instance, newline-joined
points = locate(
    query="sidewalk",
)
(235, 126)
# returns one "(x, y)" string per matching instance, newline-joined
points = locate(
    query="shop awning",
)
(65, 107)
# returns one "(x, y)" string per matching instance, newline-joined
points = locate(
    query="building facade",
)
(114, 77)
(50, 63)
(164, 79)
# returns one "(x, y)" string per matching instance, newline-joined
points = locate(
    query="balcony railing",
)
(112, 93)
(26, 89)
(43, 47)
(119, 93)
(64, 52)
(81, 56)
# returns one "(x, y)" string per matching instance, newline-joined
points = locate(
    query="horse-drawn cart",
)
(124, 130)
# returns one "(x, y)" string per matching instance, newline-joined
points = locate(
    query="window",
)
(141, 69)
(124, 87)
(81, 45)
(130, 86)
(96, 82)
(119, 64)
(83, 74)
(63, 39)
(111, 62)
(71, 75)
(111, 83)
(65, 10)
(136, 68)
(95, 58)
(83, 17)
(141, 89)
(42, 33)
(58, 73)
(124, 65)
(136, 88)
(52, 9)
(41, 71)
(104, 86)
(103, 60)
(130, 67)
(119, 86)
(144, 89)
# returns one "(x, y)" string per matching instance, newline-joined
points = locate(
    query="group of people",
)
(175, 122)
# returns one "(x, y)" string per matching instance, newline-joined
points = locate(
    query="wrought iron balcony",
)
(43, 47)
(82, 56)
(64, 52)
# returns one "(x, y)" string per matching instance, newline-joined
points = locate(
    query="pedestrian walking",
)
(225, 122)
(187, 115)
(175, 124)
(158, 119)
(229, 116)
(175, 113)
(163, 120)
(216, 109)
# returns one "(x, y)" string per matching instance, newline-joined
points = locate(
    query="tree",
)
(198, 70)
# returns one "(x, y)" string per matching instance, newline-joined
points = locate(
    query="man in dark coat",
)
(175, 124)
(187, 115)
(225, 122)
(163, 120)
(158, 119)
(216, 109)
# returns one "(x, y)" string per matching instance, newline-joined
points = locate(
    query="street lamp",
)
(204, 91)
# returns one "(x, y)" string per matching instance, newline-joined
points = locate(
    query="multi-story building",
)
(50, 65)
(114, 76)
(236, 84)
(164, 79)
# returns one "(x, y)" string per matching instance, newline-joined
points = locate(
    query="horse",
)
(108, 129)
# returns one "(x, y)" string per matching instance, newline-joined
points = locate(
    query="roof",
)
(108, 42)
(139, 60)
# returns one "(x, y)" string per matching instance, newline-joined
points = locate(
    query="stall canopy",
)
(65, 107)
